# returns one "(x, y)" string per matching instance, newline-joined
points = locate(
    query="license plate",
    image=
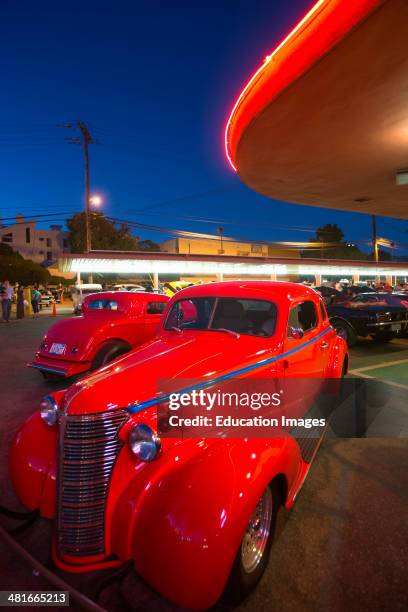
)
(57, 348)
(395, 326)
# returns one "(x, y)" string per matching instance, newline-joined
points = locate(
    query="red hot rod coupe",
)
(91, 459)
(112, 323)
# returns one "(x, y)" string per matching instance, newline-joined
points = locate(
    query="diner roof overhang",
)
(177, 264)
(324, 120)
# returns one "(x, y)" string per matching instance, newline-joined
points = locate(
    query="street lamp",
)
(96, 200)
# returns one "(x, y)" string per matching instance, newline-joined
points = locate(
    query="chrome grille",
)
(89, 446)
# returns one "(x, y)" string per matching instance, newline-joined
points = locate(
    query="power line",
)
(36, 216)
(198, 236)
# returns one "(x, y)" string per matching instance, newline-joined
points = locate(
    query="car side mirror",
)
(296, 333)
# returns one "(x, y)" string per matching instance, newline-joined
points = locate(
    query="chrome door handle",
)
(324, 344)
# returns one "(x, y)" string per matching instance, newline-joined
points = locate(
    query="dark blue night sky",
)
(156, 81)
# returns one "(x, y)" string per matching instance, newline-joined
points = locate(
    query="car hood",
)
(136, 377)
(370, 309)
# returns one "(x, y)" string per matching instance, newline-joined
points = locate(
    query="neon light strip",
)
(141, 266)
(261, 68)
(208, 383)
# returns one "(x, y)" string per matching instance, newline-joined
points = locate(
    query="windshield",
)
(243, 316)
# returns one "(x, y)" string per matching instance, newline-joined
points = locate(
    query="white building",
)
(40, 245)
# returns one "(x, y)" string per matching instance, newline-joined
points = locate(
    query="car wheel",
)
(252, 557)
(108, 353)
(346, 332)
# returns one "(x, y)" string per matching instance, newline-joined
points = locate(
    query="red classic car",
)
(193, 514)
(112, 323)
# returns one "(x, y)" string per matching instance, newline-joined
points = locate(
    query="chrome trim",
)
(46, 368)
(88, 449)
(388, 323)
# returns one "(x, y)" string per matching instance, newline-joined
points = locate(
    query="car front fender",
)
(186, 521)
(32, 463)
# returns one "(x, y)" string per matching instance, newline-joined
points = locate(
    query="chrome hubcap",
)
(257, 533)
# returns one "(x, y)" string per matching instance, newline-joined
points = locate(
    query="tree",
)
(382, 255)
(329, 233)
(106, 235)
(333, 245)
(148, 245)
(15, 268)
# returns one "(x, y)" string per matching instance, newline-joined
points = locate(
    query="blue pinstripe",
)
(135, 408)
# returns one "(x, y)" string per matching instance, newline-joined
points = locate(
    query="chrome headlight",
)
(49, 410)
(144, 442)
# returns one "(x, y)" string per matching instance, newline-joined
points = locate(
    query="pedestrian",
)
(20, 302)
(7, 295)
(35, 300)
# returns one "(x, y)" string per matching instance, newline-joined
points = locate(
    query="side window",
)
(304, 316)
(155, 307)
(293, 318)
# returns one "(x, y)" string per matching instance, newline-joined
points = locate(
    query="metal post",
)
(87, 140)
(375, 244)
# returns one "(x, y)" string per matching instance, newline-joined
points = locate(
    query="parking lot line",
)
(383, 380)
(383, 364)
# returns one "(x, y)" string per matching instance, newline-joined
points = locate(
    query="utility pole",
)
(375, 243)
(87, 140)
(221, 232)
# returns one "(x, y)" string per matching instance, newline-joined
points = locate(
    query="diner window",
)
(28, 235)
(7, 237)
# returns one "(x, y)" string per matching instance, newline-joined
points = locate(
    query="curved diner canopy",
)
(324, 120)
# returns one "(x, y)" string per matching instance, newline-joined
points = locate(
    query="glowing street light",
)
(96, 200)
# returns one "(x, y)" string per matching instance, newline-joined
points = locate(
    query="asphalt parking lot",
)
(342, 547)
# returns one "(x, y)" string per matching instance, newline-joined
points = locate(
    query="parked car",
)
(192, 514)
(382, 316)
(128, 287)
(173, 287)
(112, 324)
(79, 292)
(327, 293)
(46, 299)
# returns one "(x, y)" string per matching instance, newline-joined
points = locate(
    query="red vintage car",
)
(193, 514)
(112, 323)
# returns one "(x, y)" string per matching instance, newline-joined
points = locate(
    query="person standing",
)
(6, 298)
(20, 302)
(35, 300)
